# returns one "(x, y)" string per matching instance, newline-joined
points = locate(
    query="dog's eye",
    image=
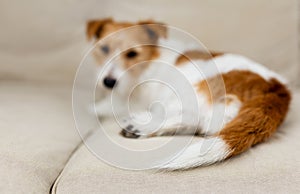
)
(105, 49)
(131, 54)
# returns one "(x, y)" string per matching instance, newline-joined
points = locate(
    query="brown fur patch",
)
(265, 105)
(146, 34)
(196, 54)
(103, 27)
(213, 88)
(94, 27)
(159, 29)
(148, 53)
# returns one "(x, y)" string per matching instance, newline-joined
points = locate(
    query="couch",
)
(41, 46)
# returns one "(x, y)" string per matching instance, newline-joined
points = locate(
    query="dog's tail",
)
(257, 119)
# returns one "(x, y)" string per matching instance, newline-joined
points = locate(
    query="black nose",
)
(109, 82)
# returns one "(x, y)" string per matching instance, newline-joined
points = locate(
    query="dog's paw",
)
(140, 125)
(130, 132)
(133, 127)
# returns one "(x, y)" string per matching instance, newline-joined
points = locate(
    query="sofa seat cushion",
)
(38, 135)
(271, 167)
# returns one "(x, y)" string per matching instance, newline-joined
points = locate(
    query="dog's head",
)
(144, 32)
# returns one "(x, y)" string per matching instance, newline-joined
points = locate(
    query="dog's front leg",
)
(137, 126)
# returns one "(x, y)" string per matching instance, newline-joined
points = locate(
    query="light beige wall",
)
(44, 40)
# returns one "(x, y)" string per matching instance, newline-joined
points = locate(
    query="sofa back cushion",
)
(45, 40)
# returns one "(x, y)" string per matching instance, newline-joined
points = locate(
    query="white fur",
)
(224, 64)
(216, 116)
(204, 152)
(212, 117)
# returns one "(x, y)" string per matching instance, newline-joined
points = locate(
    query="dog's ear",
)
(154, 31)
(94, 27)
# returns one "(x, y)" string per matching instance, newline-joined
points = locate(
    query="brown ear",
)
(95, 27)
(154, 31)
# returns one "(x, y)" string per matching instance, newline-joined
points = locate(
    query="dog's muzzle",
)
(109, 82)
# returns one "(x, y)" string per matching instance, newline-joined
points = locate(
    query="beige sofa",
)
(41, 46)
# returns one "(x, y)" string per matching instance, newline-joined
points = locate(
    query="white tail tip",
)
(205, 152)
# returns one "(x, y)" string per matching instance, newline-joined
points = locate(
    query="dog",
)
(255, 99)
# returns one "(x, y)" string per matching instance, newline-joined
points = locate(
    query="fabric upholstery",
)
(43, 42)
(270, 167)
(46, 40)
(37, 137)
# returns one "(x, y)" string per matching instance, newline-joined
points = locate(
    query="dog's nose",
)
(109, 82)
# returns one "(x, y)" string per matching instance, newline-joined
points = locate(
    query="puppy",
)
(245, 101)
